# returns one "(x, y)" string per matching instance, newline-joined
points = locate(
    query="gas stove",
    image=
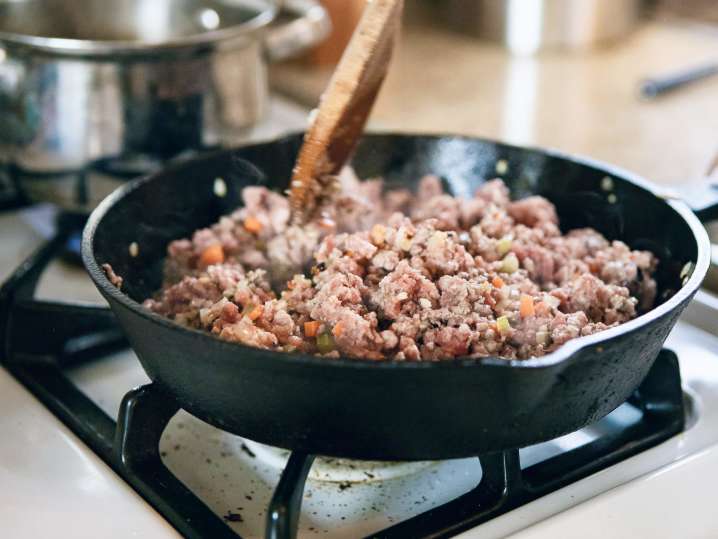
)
(72, 359)
(101, 453)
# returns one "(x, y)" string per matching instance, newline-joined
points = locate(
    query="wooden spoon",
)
(344, 106)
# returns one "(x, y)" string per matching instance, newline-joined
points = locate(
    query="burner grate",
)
(75, 334)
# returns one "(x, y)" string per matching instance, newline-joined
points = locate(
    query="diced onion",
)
(378, 234)
(510, 263)
(504, 245)
(686, 270)
(436, 241)
(403, 240)
(551, 301)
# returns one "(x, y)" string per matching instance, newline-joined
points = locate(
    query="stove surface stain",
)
(228, 473)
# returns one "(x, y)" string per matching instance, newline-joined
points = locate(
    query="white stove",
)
(53, 485)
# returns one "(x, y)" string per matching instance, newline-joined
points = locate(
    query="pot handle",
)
(311, 25)
(18, 121)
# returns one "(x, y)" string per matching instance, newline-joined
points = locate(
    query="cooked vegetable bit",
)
(255, 313)
(504, 245)
(311, 328)
(214, 254)
(527, 306)
(503, 325)
(510, 263)
(325, 343)
(253, 225)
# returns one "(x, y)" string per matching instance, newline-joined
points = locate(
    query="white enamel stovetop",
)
(51, 485)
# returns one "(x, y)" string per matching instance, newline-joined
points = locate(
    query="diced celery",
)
(502, 324)
(325, 343)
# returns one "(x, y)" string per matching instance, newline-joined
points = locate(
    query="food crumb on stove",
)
(163, 453)
(177, 447)
(134, 249)
(233, 517)
(208, 461)
(369, 475)
(344, 485)
(248, 497)
(247, 450)
(115, 279)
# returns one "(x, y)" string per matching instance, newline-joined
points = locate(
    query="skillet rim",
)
(563, 354)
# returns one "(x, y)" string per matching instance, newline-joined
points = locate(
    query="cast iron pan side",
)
(393, 410)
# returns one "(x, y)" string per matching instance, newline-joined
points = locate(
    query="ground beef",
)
(403, 276)
(115, 279)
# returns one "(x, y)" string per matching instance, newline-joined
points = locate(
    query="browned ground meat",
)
(115, 279)
(403, 276)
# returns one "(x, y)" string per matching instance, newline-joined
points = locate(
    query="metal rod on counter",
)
(654, 87)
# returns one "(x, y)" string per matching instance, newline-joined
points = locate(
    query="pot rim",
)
(266, 12)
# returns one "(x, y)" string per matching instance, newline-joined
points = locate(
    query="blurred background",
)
(558, 73)
(88, 101)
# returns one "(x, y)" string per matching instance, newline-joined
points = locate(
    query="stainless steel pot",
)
(94, 92)
(529, 26)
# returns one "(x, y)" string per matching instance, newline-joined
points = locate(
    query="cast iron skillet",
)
(394, 410)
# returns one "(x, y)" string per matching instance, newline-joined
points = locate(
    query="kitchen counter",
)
(584, 103)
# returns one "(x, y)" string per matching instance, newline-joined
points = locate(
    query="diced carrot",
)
(498, 282)
(311, 328)
(255, 313)
(527, 306)
(252, 224)
(338, 329)
(214, 254)
(290, 285)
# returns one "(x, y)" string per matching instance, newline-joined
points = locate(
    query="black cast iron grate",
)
(76, 333)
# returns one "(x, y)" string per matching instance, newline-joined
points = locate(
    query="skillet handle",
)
(702, 197)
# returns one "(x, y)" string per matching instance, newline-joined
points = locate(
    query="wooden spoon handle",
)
(345, 106)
